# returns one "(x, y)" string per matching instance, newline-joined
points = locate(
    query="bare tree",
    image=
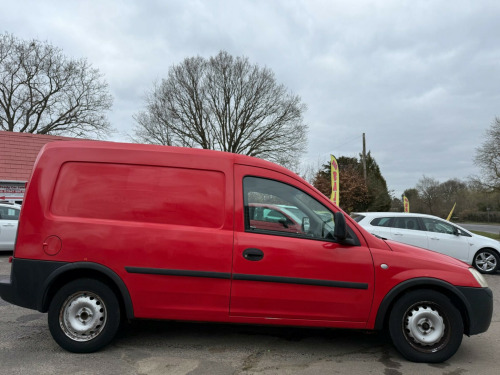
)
(474, 201)
(488, 157)
(44, 92)
(224, 103)
(428, 188)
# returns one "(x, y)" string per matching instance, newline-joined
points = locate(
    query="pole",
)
(364, 158)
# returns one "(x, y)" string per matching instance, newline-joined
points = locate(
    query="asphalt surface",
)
(489, 228)
(155, 347)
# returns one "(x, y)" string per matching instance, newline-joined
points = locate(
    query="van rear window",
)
(150, 194)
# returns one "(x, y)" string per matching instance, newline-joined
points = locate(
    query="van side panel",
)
(138, 193)
(162, 222)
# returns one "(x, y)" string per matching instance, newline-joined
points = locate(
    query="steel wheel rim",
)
(425, 327)
(486, 261)
(83, 316)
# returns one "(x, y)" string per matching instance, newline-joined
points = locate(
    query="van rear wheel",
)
(84, 316)
(425, 326)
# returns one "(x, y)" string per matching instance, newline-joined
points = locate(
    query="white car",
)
(436, 234)
(9, 216)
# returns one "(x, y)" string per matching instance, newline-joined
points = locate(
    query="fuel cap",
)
(52, 245)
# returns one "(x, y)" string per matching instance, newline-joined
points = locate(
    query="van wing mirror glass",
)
(340, 231)
(306, 224)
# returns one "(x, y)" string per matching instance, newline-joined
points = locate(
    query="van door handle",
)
(253, 254)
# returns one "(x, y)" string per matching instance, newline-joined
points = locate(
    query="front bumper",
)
(480, 309)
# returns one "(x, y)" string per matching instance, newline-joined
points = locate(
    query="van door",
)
(167, 230)
(306, 275)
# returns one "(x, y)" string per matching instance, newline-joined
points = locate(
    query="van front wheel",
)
(425, 326)
(84, 316)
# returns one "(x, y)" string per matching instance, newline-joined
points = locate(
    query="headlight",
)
(479, 278)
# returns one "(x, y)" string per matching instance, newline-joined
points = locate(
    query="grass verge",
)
(486, 234)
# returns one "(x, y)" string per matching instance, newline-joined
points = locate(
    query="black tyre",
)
(486, 261)
(425, 326)
(84, 316)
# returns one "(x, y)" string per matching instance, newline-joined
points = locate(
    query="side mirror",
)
(340, 231)
(306, 224)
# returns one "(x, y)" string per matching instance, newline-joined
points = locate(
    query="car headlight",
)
(479, 278)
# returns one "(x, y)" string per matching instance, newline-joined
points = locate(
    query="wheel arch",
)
(455, 295)
(73, 271)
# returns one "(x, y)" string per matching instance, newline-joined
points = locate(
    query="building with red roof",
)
(18, 152)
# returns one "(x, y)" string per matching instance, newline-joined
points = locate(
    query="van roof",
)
(106, 145)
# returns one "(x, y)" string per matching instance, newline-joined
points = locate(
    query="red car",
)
(110, 229)
(274, 218)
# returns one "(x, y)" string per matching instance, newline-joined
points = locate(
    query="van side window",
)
(277, 208)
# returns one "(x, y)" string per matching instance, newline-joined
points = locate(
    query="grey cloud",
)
(419, 78)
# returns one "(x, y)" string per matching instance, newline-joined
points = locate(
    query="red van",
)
(111, 230)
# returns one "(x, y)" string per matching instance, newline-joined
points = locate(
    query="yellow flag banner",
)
(406, 204)
(335, 180)
(451, 212)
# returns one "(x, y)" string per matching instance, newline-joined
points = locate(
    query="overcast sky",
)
(420, 78)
